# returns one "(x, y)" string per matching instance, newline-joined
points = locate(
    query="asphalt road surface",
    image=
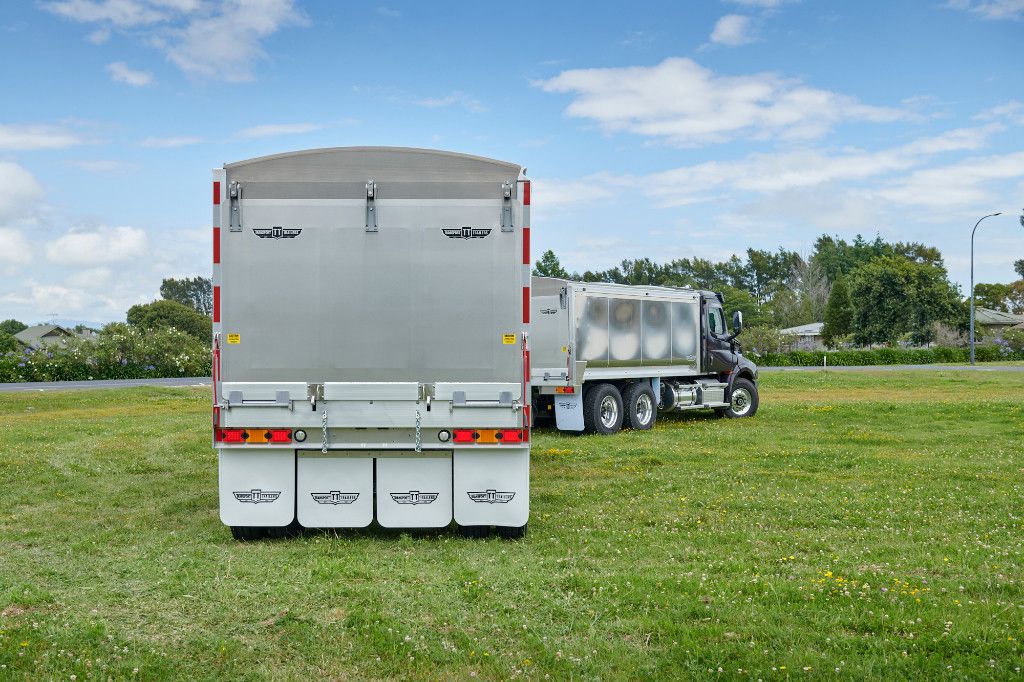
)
(205, 381)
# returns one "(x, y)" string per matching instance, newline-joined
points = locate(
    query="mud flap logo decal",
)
(335, 497)
(414, 497)
(465, 232)
(492, 496)
(276, 232)
(256, 496)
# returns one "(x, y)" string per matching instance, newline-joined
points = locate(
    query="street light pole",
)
(990, 215)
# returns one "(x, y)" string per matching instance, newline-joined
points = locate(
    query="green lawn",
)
(861, 525)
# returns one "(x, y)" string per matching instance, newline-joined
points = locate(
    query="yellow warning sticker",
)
(508, 339)
(234, 338)
(565, 349)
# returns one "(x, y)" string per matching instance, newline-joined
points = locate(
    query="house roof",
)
(812, 329)
(996, 317)
(41, 333)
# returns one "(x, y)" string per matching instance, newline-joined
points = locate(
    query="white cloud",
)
(991, 9)
(687, 105)
(1012, 112)
(100, 246)
(966, 183)
(48, 298)
(19, 191)
(100, 165)
(36, 136)
(767, 4)
(14, 248)
(166, 142)
(122, 73)
(457, 98)
(732, 30)
(124, 13)
(389, 12)
(99, 36)
(272, 129)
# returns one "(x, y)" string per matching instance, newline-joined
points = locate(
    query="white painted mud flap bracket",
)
(569, 411)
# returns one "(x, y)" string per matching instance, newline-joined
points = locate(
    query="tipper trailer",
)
(611, 355)
(370, 320)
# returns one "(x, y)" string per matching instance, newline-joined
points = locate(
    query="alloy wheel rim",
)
(609, 411)
(644, 409)
(741, 401)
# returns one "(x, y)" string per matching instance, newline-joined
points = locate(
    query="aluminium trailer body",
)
(611, 355)
(369, 337)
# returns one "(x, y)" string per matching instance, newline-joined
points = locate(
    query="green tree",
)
(8, 342)
(194, 292)
(170, 314)
(993, 296)
(838, 313)
(549, 266)
(1018, 266)
(12, 327)
(893, 296)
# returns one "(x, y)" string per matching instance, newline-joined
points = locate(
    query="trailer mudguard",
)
(569, 411)
(257, 486)
(491, 486)
(414, 491)
(333, 490)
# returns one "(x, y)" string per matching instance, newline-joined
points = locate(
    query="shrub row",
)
(120, 351)
(887, 356)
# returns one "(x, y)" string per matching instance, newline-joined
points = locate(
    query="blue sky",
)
(650, 129)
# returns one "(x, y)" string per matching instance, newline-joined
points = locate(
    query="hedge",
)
(887, 356)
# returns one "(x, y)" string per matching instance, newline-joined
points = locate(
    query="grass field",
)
(861, 526)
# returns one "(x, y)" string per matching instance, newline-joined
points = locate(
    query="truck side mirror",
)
(737, 322)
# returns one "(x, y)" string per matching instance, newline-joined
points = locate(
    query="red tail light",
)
(565, 389)
(232, 435)
(279, 436)
(511, 436)
(462, 436)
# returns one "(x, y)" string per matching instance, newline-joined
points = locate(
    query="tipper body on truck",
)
(371, 308)
(611, 355)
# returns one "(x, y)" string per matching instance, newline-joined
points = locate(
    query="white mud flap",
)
(257, 486)
(492, 486)
(414, 492)
(569, 411)
(334, 491)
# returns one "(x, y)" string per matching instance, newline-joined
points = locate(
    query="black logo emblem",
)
(492, 496)
(548, 311)
(414, 497)
(465, 232)
(256, 496)
(276, 232)
(335, 497)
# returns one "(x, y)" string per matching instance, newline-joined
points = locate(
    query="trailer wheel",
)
(602, 410)
(512, 532)
(641, 406)
(248, 533)
(743, 401)
(475, 532)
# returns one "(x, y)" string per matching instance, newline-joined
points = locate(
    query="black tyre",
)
(743, 400)
(511, 532)
(602, 410)
(641, 406)
(248, 533)
(475, 532)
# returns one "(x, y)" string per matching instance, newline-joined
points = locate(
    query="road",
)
(205, 381)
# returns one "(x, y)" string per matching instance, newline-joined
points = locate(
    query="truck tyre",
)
(512, 532)
(743, 400)
(602, 410)
(641, 406)
(248, 533)
(475, 532)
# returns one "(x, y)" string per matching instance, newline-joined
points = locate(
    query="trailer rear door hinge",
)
(371, 205)
(235, 205)
(506, 207)
(314, 392)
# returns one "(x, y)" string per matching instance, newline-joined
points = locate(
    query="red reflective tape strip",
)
(526, 363)
(216, 304)
(526, 246)
(216, 193)
(216, 245)
(526, 305)
(526, 193)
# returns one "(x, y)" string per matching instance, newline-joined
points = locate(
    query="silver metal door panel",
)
(371, 390)
(592, 331)
(334, 492)
(549, 333)
(257, 486)
(414, 492)
(492, 486)
(686, 334)
(476, 391)
(657, 324)
(624, 331)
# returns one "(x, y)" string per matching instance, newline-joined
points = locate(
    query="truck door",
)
(717, 356)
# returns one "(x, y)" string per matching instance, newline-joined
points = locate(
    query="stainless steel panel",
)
(623, 332)
(657, 341)
(686, 333)
(592, 332)
(549, 332)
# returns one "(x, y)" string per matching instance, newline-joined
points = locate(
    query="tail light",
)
(232, 435)
(462, 436)
(253, 436)
(565, 389)
(489, 436)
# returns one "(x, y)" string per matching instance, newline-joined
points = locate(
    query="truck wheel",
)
(475, 532)
(743, 402)
(602, 410)
(641, 406)
(512, 532)
(248, 533)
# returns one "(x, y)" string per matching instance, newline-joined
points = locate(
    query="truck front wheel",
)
(743, 401)
(641, 406)
(602, 410)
